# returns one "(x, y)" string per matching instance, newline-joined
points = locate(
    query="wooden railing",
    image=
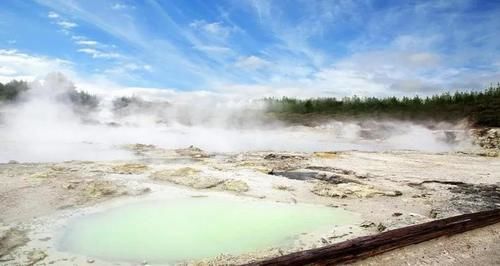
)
(366, 246)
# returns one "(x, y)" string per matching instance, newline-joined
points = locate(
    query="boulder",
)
(130, 168)
(11, 238)
(345, 190)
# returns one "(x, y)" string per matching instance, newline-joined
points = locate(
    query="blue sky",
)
(324, 48)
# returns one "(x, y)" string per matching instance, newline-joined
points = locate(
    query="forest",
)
(480, 108)
(81, 101)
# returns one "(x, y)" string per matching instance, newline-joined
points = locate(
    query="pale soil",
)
(476, 247)
(384, 188)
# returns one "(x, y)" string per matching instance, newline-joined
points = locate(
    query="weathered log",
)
(366, 246)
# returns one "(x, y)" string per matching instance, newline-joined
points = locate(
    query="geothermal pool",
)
(170, 231)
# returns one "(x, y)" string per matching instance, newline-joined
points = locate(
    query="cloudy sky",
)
(309, 47)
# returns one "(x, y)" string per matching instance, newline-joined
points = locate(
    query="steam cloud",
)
(45, 125)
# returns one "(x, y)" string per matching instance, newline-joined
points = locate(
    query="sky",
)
(256, 47)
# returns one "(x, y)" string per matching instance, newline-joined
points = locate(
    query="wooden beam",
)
(366, 246)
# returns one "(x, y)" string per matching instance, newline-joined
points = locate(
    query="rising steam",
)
(48, 124)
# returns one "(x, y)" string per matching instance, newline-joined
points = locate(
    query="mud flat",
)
(385, 190)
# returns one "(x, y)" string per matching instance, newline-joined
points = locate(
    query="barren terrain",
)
(386, 189)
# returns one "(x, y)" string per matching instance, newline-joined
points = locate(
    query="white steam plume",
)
(45, 126)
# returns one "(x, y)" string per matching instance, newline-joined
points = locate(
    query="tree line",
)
(481, 108)
(81, 100)
(11, 90)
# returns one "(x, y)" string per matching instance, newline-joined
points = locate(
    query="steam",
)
(45, 125)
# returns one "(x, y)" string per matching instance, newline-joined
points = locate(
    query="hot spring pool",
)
(193, 228)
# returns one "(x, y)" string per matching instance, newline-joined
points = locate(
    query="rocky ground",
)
(387, 189)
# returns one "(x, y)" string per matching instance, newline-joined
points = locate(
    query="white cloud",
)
(17, 65)
(134, 67)
(99, 54)
(213, 49)
(95, 48)
(78, 38)
(53, 15)
(66, 25)
(131, 31)
(345, 81)
(251, 62)
(7, 71)
(412, 61)
(130, 70)
(214, 28)
(121, 6)
(424, 59)
(414, 42)
(87, 43)
(263, 8)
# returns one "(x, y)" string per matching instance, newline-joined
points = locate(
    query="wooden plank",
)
(366, 246)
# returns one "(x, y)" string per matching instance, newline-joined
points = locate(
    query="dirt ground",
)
(387, 189)
(476, 247)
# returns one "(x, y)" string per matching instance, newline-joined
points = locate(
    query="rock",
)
(345, 190)
(489, 153)
(450, 137)
(280, 156)
(190, 177)
(66, 206)
(381, 227)
(396, 214)
(395, 193)
(186, 176)
(69, 186)
(57, 168)
(364, 176)
(35, 256)
(7, 257)
(43, 174)
(434, 213)
(337, 236)
(139, 147)
(367, 224)
(332, 170)
(309, 174)
(283, 187)
(101, 188)
(11, 238)
(90, 261)
(489, 140)
(325, 154)
(180, 172)
(130, 168)
(193, 152)
(138, 191)
(13, 162)
(234, 185)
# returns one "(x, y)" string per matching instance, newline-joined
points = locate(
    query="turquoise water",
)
(193, 228)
